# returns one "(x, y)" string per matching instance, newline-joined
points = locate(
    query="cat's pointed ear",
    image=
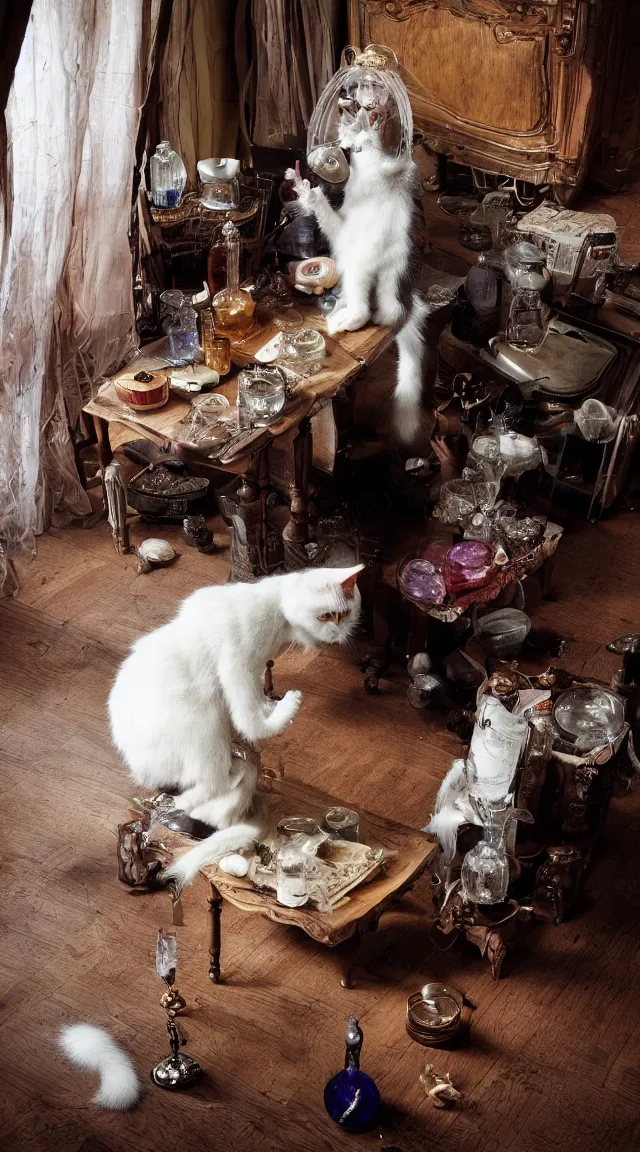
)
(348, 579)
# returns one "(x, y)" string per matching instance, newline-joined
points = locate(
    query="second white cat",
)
(189, 688)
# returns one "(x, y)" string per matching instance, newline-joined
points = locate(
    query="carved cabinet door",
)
(505, 86)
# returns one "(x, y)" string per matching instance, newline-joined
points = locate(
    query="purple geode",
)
(420, 580)
(467, 565)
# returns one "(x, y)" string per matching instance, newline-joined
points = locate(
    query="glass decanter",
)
(485, 868)
(168, 177)
(233, 307)
(351, 1097)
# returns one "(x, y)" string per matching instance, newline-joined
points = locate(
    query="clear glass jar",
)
(302, 352)
(291, 876)
(168, 177)
(261, 395)
(233, 307)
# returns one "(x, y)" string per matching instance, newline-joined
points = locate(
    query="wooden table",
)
(358, 912)
(281, 457)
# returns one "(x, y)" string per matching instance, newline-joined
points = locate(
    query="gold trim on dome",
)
(375, 56)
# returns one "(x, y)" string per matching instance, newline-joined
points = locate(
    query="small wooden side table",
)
(358, 912)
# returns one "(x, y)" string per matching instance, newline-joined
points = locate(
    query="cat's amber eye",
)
(337, 617)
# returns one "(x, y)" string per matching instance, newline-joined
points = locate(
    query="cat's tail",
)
(407, 400)
(93, 1048)
(237, 838)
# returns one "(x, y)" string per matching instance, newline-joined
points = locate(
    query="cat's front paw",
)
(347, 320)
(285, 711)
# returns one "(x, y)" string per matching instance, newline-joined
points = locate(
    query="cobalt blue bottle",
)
(351, 1098)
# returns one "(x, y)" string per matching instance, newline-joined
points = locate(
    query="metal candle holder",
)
(179, 1070)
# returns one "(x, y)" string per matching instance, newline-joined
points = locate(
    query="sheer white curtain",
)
(66, 307)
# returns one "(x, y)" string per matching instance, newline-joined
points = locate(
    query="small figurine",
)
(351, 1097)
(177, 1070)
(439, 1089)
(198, 535)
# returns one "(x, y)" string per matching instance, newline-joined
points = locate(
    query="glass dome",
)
(366, 92)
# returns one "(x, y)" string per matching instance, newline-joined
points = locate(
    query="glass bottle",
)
(181, 326)
(291, 878)
(217, 349)
(485, 868)
(233, 307)
(351, 1097)
(168, 176)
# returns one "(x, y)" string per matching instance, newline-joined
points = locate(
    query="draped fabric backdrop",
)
(285, 54)
(66, 308)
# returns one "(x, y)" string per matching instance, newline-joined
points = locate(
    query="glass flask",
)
(168, 177)
(233, 307)
(261, 395)
(220, 188)
(485, 868)
(217, 349)
(351, 1097)
(291, 876)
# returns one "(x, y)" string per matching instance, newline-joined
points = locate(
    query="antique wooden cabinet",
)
(511, 87)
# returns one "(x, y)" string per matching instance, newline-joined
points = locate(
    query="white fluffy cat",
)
(370, 238)
(191, 687)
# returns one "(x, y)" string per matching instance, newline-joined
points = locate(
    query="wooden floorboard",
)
(554, 1058)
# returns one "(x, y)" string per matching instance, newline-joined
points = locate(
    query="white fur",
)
(370, 241)
(94, 1049)
(191, 687)
(452, 809)
(234, 865)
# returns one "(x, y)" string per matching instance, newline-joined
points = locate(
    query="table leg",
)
(349, 958)
(296, 532)
(215, 908)
(105, 453)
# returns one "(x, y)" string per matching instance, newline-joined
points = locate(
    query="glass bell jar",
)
(168, 177)
(365, 94)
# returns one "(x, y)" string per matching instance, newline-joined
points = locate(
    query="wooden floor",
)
(553, 1061)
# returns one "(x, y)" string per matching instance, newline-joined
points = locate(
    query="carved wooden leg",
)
(296, 532)
(105, 453)
(215, 908)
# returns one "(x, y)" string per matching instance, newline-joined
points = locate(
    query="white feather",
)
(94, 1049)
(452, 809)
